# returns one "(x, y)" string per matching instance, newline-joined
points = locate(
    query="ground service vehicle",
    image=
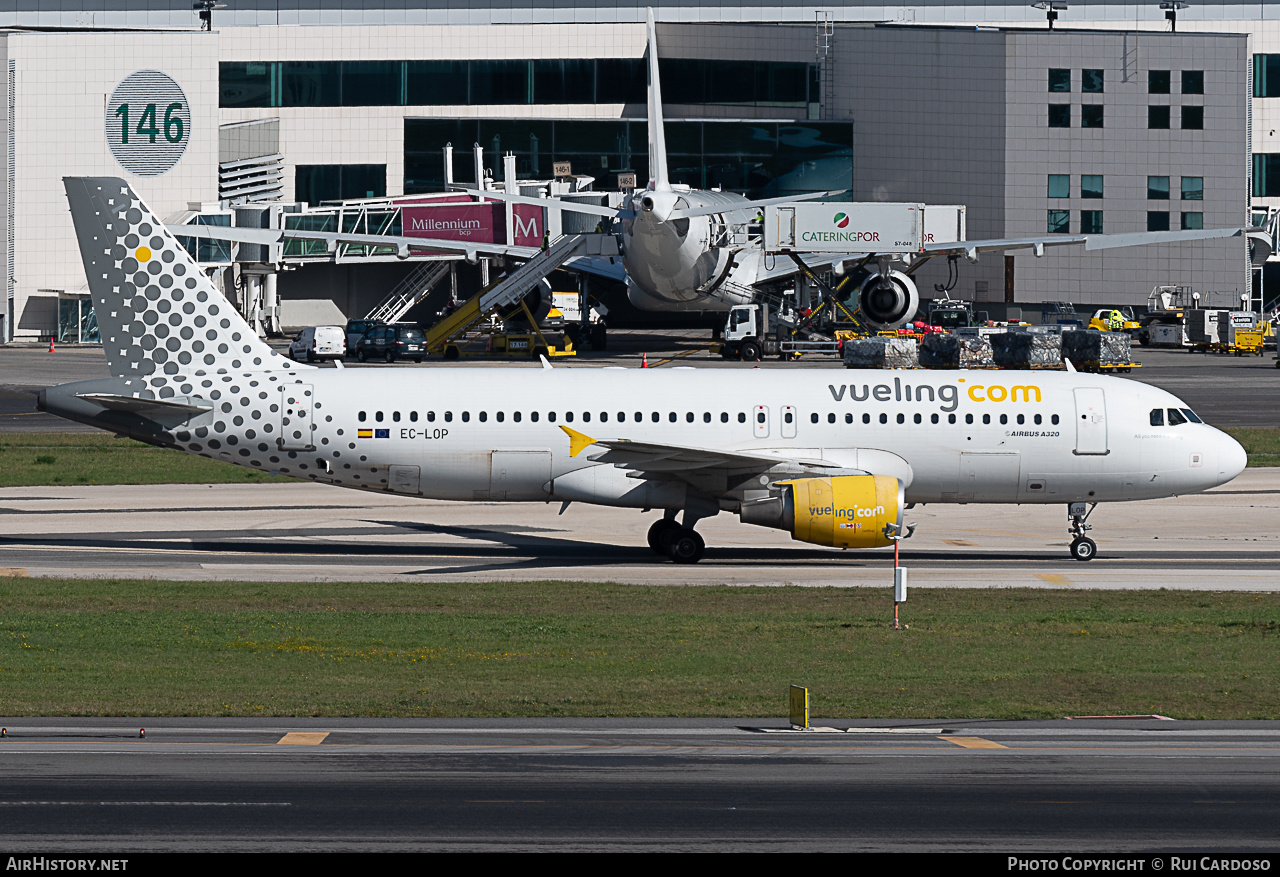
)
(1101, 320)
(319, 342)
(392, 343)
(830, 458)
(1060, 313)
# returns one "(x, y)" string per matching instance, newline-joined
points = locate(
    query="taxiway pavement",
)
(196, 785)
(1227, 538)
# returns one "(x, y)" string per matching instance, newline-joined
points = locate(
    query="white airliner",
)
(689, 249)
(833, 457)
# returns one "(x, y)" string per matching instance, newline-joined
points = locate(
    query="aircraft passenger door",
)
(1091, 421)
(760, 421)
(788, 421)
(296, 423)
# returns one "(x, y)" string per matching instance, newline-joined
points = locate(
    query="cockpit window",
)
(1157, 417)
(1191, 415)
(1176, 417)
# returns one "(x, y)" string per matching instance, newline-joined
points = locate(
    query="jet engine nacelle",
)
(844, 511)
(888, 301)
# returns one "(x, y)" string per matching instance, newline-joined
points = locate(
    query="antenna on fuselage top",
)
(657, 137)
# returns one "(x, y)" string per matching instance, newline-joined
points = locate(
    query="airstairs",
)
(505, 292)
(409, 292)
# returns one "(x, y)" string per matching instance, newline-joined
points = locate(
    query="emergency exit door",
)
(296, 417)
(1091, 421)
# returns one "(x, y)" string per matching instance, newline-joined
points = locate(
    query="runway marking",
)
(962, 543)
(973, 743)
(1054, 579)
(302, 738)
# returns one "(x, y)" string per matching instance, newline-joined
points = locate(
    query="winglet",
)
(545, 364)
(577, 441)
(1069, 364)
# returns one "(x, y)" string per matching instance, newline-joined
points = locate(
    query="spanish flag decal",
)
(365, 433)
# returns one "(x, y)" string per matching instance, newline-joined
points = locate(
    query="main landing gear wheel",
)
(661, 532)
(685, 546)
(1084, 548)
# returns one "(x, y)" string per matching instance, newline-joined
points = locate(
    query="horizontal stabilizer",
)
(146, 407)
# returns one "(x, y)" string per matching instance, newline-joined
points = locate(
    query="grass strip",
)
(154, 648)
(49, 458)
(45, 459)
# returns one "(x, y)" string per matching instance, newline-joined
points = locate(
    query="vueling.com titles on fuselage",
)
(947, 394)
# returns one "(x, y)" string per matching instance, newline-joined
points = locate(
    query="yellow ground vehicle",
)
(1101, 320)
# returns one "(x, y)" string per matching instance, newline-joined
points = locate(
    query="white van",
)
(319, 342)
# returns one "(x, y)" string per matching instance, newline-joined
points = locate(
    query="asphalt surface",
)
(197, 785)
(1225, 390)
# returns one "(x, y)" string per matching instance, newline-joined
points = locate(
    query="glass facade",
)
(1059, 115)
(757, 159)
(1158, 81)
(1157, 117)
(1090, 222)
(1157, 220)
(1193, 118)
(1192, 221)
(1091, 185)
(1059, 222)
(1059, 80)
(1266, 175)
(1266, 75)
(1091, 81)
(507, 82)
(315, 183)
(1059, 185)
(1193, 82)
(1193, 188)
(1158, 188)
(1091, 116)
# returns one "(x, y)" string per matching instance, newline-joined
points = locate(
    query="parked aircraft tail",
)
(657, 138)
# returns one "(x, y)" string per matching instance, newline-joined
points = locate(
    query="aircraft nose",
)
(1232, 459)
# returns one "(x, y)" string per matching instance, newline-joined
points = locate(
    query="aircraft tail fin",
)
(657, 138)
(161, 318)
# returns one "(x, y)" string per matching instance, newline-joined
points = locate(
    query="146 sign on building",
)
(148, 123)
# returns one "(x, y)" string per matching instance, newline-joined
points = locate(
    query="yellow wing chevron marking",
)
(578, 442)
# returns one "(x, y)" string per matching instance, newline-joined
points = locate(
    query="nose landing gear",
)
(1082, 547)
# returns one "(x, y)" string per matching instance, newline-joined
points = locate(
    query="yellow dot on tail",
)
(143, 254)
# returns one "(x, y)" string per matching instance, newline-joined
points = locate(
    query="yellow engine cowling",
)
(844, 511)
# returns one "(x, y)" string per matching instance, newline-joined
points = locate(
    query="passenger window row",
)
(691, 417)
(552, 417)
(1021, 419)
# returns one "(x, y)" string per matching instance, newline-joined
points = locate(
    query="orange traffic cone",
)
(644, 360)
(51, 347)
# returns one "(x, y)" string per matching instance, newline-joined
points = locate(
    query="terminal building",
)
(1111, 122)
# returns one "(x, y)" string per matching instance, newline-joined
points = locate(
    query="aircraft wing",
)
(971, 249)
(686, 212)
(600, 266)
(709, 470)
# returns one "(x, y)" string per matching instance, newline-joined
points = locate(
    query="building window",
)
(1193, 118)
(1193, 188)
(1266, 175)
(1266, 75)
(1157, 117)
(1158, 188)
(1059, 222)
(1091, 116)
(1059, 115)
(314, 183)
(1157, 220)
(1091, 81)
(1059, 80)
(1158, 81)
(1090, 222)
(1091, 185)
(1059, 185)
(1192, 221)
(1193, 82)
